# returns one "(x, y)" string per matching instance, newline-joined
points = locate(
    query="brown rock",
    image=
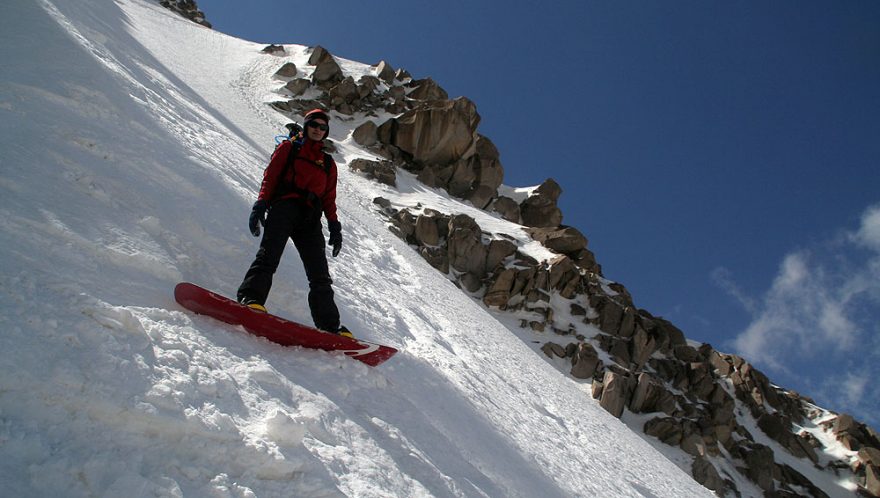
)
(499, 250)
(385, 72)
(706, 474)
(685, 353)
(346, 91)
(551, 349)
(470, 282)
(507, 208)
(383, 172)
(666, 429)
(498, 292)
(426, 231)
(436, 257)
(366, 134)
(642, 346)
(437, 132)
(872, 480)
(298, 86)
(585, 362)
(466, 250)
(288, 70)
(651, 396)
(540, 211)
(869, 456)
(427, 89)
(616, 393)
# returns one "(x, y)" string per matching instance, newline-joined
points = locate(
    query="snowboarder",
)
(299, 184)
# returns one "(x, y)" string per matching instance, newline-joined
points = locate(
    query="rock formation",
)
(726, 418)
(188, 9)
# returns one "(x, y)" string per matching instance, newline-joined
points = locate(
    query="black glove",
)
(258, 217)
(335, 236)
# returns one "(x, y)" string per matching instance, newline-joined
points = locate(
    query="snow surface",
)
(132, 146)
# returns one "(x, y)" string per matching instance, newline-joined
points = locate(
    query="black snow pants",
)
(290, 218)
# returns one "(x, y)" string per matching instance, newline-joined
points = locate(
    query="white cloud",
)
(722, 278)
(853, 392)
(869, 232)
(821, 312)
(801, 314)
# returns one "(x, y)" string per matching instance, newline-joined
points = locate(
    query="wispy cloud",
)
(822, 308)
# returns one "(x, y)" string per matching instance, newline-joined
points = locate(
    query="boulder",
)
(404, 225)
(480, 196)
(403, 76)
(383, 172)
(693, 444)
(319, 55)
(274, 49)
(498, 292)
(465, 247)
(367, 85)
(564, 240)
(872, 480)
(499, 250)
(676, 336)
(651, 396)
(427, 89)
(385, 72)
(551, 349)
(436, 132)
(426, 232)
(298, 86)
(470, 282)
(436, 257)
(615, 393)
(596, 389)
(287, 71)
(844, 424)
(666, 429)
(706, 474)
(346, 91)
(507, 208)
(187, 9)
(869, 456)
(610, 313)
(463, 176)
(628, 325)
(539, 211)
(366, 134)
(759, 463)
(585, 362)
(327, 71)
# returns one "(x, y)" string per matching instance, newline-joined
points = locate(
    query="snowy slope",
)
(132, 144)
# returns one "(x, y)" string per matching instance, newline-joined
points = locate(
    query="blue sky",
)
(723, 158)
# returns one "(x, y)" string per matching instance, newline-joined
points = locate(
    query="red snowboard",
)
(276, 329)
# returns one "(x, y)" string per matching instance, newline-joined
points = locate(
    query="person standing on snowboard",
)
(299, 184)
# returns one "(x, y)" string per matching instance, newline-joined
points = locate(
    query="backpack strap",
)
(307, 195)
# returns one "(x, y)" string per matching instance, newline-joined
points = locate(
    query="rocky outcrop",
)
(724, 417)
(540, 209)
(188, 9)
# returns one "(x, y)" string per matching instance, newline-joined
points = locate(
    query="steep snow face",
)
(133, 142)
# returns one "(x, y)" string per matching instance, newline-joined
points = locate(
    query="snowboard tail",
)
(278, 330)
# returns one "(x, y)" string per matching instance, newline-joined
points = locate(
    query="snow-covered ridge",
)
(133, 144)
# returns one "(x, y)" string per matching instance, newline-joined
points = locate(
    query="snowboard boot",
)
(250, 303)
(344, 332)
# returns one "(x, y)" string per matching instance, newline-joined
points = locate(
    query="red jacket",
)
(310, 175)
